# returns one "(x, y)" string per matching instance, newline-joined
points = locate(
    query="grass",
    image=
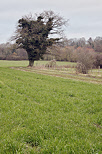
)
(94, 76)
(45, 114)
(7, 63)
(70, 73)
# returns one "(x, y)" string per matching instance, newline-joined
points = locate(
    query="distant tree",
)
(98, 44)
(33, 34)
(98, 60)
(72, 42)
(90, 43)
(81, 42)
(5, 50)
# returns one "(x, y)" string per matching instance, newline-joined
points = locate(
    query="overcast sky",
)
(85, 16)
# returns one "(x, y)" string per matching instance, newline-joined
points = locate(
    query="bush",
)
(81, 68)
(85, 59)
(52, 63)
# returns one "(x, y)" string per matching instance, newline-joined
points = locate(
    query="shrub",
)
(85, 59)
(81, 68)
(52, 63)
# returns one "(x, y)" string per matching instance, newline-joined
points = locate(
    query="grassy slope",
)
(43, 114)
(95, 76)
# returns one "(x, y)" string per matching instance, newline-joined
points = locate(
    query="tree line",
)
(67, 50)
(8, 51)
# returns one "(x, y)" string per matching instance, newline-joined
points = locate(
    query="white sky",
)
(85, 16)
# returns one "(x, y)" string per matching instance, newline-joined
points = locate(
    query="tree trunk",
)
(31, 63)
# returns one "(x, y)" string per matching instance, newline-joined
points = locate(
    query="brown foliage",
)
(85, 59)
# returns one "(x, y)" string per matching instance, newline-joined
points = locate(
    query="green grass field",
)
(6, 63)
(48, 114)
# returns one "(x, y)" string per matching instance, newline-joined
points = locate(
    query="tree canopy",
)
(33, 34)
